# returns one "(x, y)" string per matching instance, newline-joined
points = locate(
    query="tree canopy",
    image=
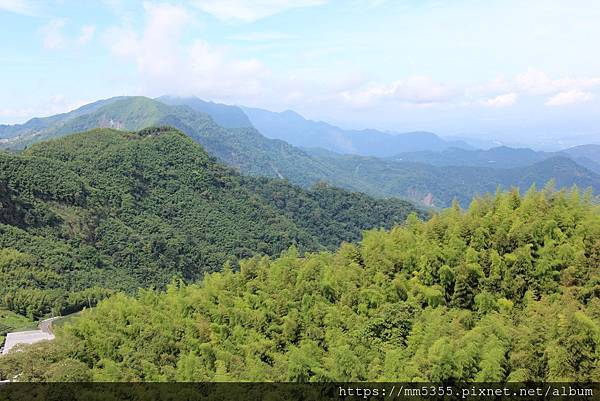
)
(89, 214)
(508, 289)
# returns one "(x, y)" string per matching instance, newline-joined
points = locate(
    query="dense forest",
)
(508, 289)
(225, 134)
(89, 214)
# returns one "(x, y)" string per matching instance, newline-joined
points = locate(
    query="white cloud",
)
(86, 35)
(416, 90)
(263, 36)
(533, 82)
(54, 104)
(251, 10)
(53, 37)
(536, 82)
(16, 113)
(505, 100)
(168, 66)
(17, 6)
(569, 97)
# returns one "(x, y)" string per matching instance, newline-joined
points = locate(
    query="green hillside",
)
(88, 214)
(438, 186)
(503, 157)
(249, 152)
(506, 290)
(242, 148)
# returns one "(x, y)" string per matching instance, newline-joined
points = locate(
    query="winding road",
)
(29, 337)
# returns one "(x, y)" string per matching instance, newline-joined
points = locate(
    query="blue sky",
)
(520, 72)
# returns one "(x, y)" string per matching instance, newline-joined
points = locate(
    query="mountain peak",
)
(226, 116)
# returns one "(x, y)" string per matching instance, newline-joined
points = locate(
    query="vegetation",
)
(244, 148)
(10, 321)
(439, 186)
(506, 290)
(89, 214)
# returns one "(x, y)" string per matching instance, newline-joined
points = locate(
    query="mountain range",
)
(298, 131)
(502, 157)
(109, 209)
(420, 167)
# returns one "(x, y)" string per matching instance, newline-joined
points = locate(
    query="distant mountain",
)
(243, 148)
(592, 152)
(253, 154)
(586, 155)
(291, 127)
(499, 157)
(502, 157)
(438, 186)
(477, 143)
(225, 115)
(52, 123)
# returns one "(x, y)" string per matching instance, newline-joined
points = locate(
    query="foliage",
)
(249, 152)
(88, 214)
(506, 290)
(10, 321)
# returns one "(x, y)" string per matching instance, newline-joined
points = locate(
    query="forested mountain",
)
(498, 157)
(87, 214)
(224, 115)
(502, 157)
(242, 148)
(438, 186)
(592, 152)
(38, 126)
(586, 155)
(253, 154)
(506, 290)
(298, 131)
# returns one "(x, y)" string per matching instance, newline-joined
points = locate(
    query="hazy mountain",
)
(253, 154)
(438, 186)
(592, 152)
(225, 115)
(502, 157)
(40, 125)
(477, 143)
(243, 148)
(586, 155)
(499, 157)
(298, 131)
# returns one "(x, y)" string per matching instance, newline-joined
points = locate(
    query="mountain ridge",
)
(293, 128)
(253, 154)
(108, 210)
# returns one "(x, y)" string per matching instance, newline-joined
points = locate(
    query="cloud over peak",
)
(167, 64)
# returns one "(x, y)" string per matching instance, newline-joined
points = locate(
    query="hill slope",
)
(498, 157)
(242, 148)
(505, 291)
(252, 154)
(105, 210)
(587, 156)
(38, 126)
(438, 186)
(224, 115)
